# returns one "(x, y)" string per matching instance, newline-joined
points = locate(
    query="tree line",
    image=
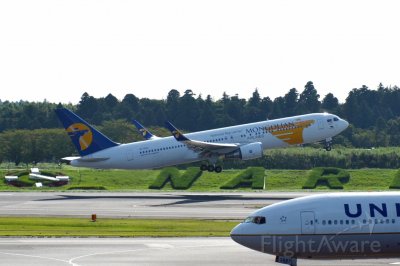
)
(30, 131)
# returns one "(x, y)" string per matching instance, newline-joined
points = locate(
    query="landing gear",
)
(211, 168)
(328, 144)
(218, 169)
(286, 260)
(203, 167)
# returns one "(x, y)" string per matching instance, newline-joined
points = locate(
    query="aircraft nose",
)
(236, 234)
(345, 124)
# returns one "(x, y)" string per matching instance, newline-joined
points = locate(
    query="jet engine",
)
(246, 152)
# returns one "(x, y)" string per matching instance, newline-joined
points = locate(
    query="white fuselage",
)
(336, 225)
(168, 151)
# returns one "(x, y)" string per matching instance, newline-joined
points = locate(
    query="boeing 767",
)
(244, 142)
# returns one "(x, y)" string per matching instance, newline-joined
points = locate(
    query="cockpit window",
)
(335, 119)
(329, 120)
(255, 220)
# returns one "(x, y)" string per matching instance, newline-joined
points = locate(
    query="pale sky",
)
(57, 50)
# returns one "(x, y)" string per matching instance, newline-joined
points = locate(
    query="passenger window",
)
(347, 221)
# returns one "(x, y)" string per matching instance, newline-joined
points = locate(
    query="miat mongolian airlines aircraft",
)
(237, 142)
(326, 226)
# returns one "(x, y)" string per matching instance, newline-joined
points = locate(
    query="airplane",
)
(146, 134)
(243, 142)
(347, 225)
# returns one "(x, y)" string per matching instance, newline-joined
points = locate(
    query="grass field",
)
(61, 227)
(139, 180)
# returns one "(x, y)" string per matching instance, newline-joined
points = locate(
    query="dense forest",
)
(30, 131)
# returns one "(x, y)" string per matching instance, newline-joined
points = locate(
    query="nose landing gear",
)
(328, 144)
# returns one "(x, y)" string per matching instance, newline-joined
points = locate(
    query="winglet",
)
(143, 131)
(175, 132)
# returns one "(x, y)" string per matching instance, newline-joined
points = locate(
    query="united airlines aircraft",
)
(242, 142)
(326, 226)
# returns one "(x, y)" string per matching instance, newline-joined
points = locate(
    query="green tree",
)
(330, 103)
(290, 102)
(309, 100)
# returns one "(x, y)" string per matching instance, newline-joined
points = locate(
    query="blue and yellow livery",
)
(86, 139)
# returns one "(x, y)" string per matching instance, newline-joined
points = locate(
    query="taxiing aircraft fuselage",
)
(326, 226)
(236, 142)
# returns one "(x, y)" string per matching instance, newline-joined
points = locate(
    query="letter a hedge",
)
(334, 178)
(396, 181)
(251, 177)
(178, 181)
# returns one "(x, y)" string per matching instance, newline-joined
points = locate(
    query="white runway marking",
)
(71, 261)
(32, 256)
(150, 246)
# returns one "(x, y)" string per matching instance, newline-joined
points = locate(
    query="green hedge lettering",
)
(178, 181)
(251, 177)
(334, 178)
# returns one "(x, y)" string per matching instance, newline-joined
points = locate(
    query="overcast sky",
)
(56, 50)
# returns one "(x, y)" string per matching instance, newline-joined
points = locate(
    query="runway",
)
(139, 205)
(143, 251)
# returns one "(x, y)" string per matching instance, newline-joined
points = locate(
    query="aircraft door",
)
(307, 222)
(320, 124)
(129, 156)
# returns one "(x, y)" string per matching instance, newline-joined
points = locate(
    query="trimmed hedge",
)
(87, 188)
(251, 177)
(24, 180)
(178, 181)
(18, 173)
(334, 178)
(396, 181)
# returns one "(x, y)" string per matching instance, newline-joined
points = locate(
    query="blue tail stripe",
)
(87, 139)
(143, 131)
(175, 132)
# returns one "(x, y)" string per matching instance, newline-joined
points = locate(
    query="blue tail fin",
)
(145, 133)
(86, 138)
(178, 135)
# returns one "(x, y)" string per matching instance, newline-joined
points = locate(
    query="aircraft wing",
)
(201, 146)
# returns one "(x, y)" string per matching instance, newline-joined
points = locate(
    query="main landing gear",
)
(328, 144)
(211, 168)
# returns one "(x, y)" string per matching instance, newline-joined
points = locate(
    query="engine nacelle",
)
(246, 152)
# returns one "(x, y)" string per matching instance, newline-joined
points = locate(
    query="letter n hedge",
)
(178, 181)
